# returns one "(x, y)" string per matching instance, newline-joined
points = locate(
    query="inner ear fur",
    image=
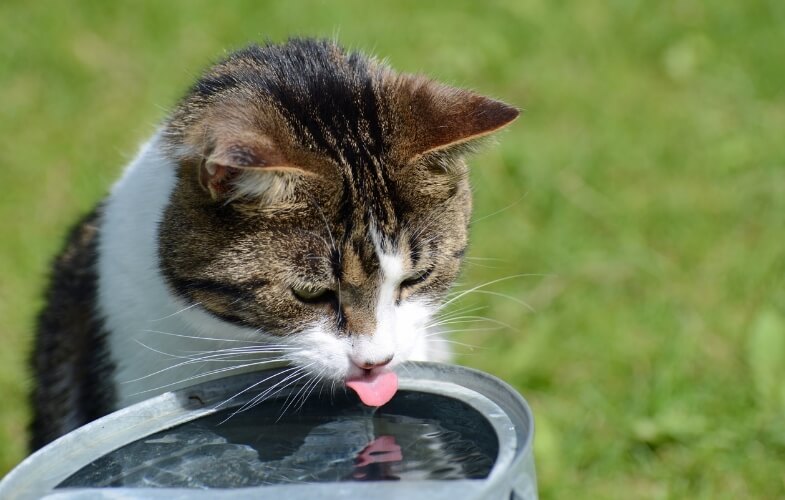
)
(438, 117)
(244, 166)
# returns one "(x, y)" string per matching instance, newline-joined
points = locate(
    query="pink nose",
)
(368, 364)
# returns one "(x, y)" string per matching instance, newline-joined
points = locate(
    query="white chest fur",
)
(153, 336)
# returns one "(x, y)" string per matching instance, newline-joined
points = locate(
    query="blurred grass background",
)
(644, 182)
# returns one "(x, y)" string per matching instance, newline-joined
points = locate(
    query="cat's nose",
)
(369, 364)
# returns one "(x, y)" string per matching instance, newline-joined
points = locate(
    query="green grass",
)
(645, 183)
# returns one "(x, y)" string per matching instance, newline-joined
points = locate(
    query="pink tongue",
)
(375, 389)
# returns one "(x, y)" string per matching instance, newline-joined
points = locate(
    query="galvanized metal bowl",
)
(490, 404)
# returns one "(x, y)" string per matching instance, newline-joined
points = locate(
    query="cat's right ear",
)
(244, 166)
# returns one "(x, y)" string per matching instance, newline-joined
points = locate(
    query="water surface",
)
(415, 436)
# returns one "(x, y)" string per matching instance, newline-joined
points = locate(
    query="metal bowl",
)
(469, 432)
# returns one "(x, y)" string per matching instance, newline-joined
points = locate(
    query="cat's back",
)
(103, 281)
(69, 356)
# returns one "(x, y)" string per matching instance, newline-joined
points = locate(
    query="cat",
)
(303, 206)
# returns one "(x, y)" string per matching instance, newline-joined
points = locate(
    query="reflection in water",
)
(257, 447)
(373, 463)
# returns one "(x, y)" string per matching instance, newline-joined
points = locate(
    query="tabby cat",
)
(302, 206)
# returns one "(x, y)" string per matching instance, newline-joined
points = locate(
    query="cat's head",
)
(322, 200)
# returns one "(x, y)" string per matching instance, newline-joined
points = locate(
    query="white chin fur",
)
(153, 335)
(326, 355)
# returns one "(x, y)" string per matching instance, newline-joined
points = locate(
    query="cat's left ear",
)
(441, 117)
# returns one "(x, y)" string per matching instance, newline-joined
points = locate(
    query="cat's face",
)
(321, 200)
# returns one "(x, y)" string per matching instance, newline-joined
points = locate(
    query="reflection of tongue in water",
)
(373, 463)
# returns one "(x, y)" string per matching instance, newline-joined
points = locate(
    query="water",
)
(415, 436)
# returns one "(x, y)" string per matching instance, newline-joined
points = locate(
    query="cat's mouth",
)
(375, 387)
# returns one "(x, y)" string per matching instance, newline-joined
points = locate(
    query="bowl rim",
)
(503, 408)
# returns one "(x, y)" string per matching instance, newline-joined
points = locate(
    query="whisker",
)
(474, 221)
(195, 304)
(310, 386)
(228, 354)
(463, 330)
(205, 374)
(294, 398)
(462, 310)
(509, 297)
(262, 349)
(261, 396)
(256, 384)
(462, 344)
(192, 360)
(477, 264)
(317, 383)
(332, 390)
(195, 337)
(492, 282)
(292, 382)
(472, 319)
(456, 320)
(292, 378)
(204, 355)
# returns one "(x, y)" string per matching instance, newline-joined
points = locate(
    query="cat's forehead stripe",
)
(390, 260)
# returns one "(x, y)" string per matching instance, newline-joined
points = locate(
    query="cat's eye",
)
(416, 278)
(313, 295)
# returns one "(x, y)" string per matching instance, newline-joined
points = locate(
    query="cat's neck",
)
(152, 335)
